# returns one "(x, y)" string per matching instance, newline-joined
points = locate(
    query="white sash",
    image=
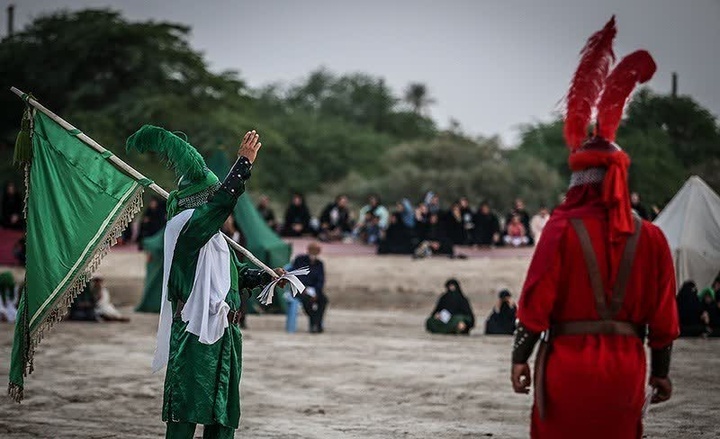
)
(206, 310)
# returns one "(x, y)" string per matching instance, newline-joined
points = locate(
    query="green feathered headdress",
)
(196, 181)
(180, 155)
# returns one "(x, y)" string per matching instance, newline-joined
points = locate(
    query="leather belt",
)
(587, 327)
(234, 316)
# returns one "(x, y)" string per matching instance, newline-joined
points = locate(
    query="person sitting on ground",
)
(421, 220)
(313, 298)
(397, 239)
(83, 307)
(406, 213)
(104, 309)
(297, 217)
(468, 220)
(267, 213)
(537, 223)
(516, 233)
(452, 314)
(502, 317)
(435, 240)
(690, 311)
(487, 226)
(519, 211)
(380, 214)
(710, 312)
(369, 232)
(432, 201)
(454, 225)
(335, 221)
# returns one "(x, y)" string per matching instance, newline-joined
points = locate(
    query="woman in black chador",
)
(452, 314)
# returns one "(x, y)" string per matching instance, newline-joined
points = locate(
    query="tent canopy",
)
(691, 223)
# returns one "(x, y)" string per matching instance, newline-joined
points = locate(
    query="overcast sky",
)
(492, 65)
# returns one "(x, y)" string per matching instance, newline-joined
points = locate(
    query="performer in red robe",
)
(601, 280)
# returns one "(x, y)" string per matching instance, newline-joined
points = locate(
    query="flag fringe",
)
(77, 285)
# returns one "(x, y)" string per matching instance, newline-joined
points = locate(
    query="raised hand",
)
(249, 146)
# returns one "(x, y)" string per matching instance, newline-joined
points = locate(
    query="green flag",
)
(77, 206)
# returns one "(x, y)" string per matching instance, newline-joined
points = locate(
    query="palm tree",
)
(416, 95)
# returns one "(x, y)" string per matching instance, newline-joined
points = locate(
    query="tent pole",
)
(132, 172)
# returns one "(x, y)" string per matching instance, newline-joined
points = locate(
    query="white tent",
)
(691, 223)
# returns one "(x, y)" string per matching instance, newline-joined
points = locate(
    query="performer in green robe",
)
(199, 337)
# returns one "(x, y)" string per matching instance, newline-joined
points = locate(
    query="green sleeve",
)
(207, 220)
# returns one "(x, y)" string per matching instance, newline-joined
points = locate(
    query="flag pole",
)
(129, 170)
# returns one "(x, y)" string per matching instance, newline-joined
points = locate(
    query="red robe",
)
(595, 384)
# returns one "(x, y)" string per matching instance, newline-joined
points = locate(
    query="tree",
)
(417, 96)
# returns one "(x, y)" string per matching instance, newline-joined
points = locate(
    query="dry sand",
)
(374, 374)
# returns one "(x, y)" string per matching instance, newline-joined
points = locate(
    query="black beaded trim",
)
(239, 173)
(524, 345)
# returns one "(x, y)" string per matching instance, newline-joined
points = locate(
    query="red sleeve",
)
(663, 324)
(538, 297)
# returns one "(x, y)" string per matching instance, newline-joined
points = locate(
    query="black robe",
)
(398, 239)
(457, 304)
(503, 321)
(296, 215)
(689, 311)
(486, 225)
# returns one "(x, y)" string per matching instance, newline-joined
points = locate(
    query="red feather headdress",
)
(636, 68)
(595, 60)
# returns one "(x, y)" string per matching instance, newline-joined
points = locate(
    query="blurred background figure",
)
(84, 305)
(335, 220)
(153, 219)
(297, 217)
(637, 206)
(487, 226)
(452, 314)
(231, 229)
(516, 234)
(434, 240)
(711, 309)
(11, 215)
(502, 317)
(8, 297)
(104, 309)
(372, 220)
(398, 238)
(313, 298)
(538, 221)
(690, 311)
(267, 212)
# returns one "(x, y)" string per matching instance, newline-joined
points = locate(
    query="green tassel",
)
(23, 143)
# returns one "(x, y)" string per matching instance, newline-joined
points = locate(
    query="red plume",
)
(636, 68)
(587, 83)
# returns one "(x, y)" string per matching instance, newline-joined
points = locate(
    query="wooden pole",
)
(132, 172)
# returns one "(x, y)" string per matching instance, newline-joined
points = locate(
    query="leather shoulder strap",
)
(592, 267)
(625, 268)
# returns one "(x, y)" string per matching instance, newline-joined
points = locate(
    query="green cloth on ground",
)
(152, 291)
(437, 326)
(78, 203)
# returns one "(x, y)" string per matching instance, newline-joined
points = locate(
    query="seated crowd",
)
(422, 230)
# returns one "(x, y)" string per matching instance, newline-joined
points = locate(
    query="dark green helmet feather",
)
(180, 155)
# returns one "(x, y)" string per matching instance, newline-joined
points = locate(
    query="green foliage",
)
(325, 134)
(455, 166)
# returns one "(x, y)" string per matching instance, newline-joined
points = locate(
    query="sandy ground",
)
(374, 374)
